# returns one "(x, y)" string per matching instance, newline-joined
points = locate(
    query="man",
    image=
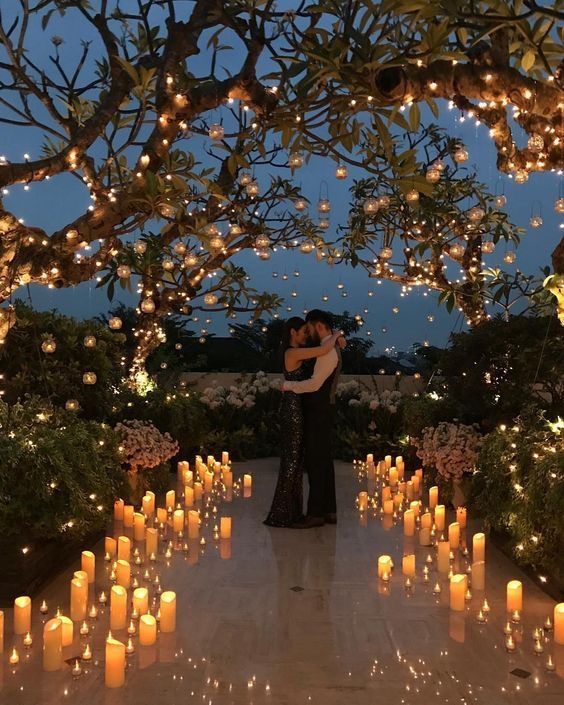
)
(319, 411)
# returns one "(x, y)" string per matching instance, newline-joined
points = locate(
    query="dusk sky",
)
(51, 204)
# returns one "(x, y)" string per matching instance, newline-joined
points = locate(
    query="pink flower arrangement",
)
(451, 448)
(144, 446)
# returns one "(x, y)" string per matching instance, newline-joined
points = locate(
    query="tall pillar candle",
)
(514, 596)
(110, 546)
(147, 630)
(118, 608)
(151, 541)
(168, 611)
(393, 477)
(208, 482)
(479, 575)
(454, 535)
(193, 524)
(1, 632)
(141, 600)
(139, 526)
(188, 496)
(67, 631)
(146, 506)
(433, 496)
(426, 520)
(425, 537)
(440, 517)
(198, 491)
(22, 615)
(225, 458)
(227, 478)
(388, 461)
(152, 497)
(416, 507)
(386, 493)
(389, 506)
(408, 565)
(416, 482)
(128, 512)
(458, 587)
(409, 490)
(53, 645)
(170, 500)
(78, 599)
(479, 547)
(443, 557)
(115, 663)
(118, 509)
(88, 565)
(363, 501)
(178, 520)
(181, 467)
(162, 515)
(400, 466)
(225, 528)
(123, 548)
(408, 523)
(461, 516)
(123, 573)
(559, 623)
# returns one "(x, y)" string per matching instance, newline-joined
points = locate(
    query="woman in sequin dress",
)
(287, 504)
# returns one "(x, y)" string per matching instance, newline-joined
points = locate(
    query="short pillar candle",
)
(141, 600)
(363, 501)
(384, 565)
(408, 565)
(178, 520)
(110, 546)
(170, 499)
(389, 506)
(514, 596)
(123, 573)
(454, 535)
(147, 630)
(440, 517)
(118, 509)
(151, 541)
(458, 586)
(409, 523)
(123, 548)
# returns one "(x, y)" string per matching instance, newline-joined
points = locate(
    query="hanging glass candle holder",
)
(89, 341)
(295, 160)
(383, 201)
(488, 247)
(521, 176)
(89, 378)
(460, 155)
(433, 175)
(148, 305)
(115, 323)
(216, 131)
(262, 241)
(49, 345)
(124, 271)
(370, 205)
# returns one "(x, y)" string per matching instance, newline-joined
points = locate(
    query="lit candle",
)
(440, 517)
(416, 506)
(369, 458)
(479, 575)
(363, 501)
(454, 535)
(514, 595)
(123, 548)
(458, 587)
(168, 611)
(409, 492)
(14, 657)
(115, 663)
(118, 608)
(148, 504)
(479, 547)
(384, 565)
(461, 516)
(22, 615)
(141, 600)
(247, 482)
(43, 608)
(227, 478)
(433, 496)
(389, 506)
(408, 565)
(118, 509)
(147, 630)
(76, 669)
(388, 461)
(110, 546)
(510, 643)
(416, 483)
(208, 482)
(443, 557)
(425, 537)
(225, 528)
(88, 565)
(78, 599)
(393, 477)
(193, 524)
(128, 512)
(178, 520)
(198, 491)
(386, 493)
(188, 496)
(408, 523)
(170, 500)
(426, 520)
(162, 515)
(123, 573)
(67, 631)
(139, 526)
(84, 629)
(225, 458)
(559, 623)
(151, 541)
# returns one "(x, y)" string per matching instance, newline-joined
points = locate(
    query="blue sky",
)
(53, 203)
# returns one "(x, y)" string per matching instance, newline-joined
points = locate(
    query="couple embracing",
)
(312, 362)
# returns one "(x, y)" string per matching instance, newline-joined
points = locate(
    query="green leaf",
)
(528, 60)
(414, 117)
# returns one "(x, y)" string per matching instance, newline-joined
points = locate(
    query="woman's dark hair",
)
(294, 323)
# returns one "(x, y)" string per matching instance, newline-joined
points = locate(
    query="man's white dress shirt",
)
(324, 367)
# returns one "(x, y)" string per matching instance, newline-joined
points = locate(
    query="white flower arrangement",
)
(144, 446)
(239, 396)
(450, 447)
(387, 400)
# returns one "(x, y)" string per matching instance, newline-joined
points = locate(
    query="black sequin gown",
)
(287, 504)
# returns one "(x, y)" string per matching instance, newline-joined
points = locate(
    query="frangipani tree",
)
(172, 112)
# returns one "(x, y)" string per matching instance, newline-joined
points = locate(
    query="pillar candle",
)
(162, 515)
(168, 611)
(382, 467)
(123, 573)
(443, 557)
(193, 524)
(458, 586)
(408, 565)
(408, 523)
(188, 496)
(384, 565)
(210, 460)
(170, 500)
(559, 623)
(461, 516)
(440, 517)
(419, 473)
(67, 631)
(369, 458)
(228, 478)
(247, 481)
(388, 461)
(139, 526)
(393, 477)
(115, 663)
(123, 548)
(198, 491)
(208, 482)
(416, 482)
(425, 537)
(22, 615)
(398, 500)
(181, 467)
(416, 507)
(225, 458)
(514, 596)
(118, 509)
(409, 490)
(151, 541)
(386, 493)
(53, 645)
(479, 547)
(225, 528)
(426, 521)
(88, 564)
(178, 520)
(400, 466)
(118, 608)
(147, 630)
(479, 575)
(78, 599)
(454, 535)
(110, 546)
(146, 507)
(141, 600)
(188, 478)
(1, 632)
(433, 496)
(363, 501)
(389, 506)
(128, 511)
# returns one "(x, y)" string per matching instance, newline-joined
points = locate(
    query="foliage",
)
(59, 475)
(519, 490)
(426, 410)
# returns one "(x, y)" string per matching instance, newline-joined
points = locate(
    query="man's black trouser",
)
(319, 420)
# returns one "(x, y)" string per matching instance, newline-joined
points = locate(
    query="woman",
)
(287, 505)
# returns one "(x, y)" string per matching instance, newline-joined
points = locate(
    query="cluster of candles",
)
(130, 611)
(397, 498)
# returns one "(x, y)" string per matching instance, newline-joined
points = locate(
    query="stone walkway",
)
(296, 617)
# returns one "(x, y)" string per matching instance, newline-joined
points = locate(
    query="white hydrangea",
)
(450, 447)
(144, 446)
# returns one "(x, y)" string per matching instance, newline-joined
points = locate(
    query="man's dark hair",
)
(318, 316)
